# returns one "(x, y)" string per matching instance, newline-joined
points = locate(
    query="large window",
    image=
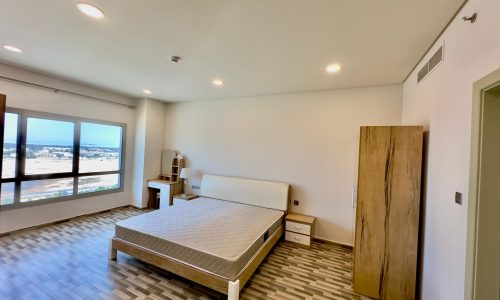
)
(50, 157)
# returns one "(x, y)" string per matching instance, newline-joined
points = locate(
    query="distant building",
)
(43, 153)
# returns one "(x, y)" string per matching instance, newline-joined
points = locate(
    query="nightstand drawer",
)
(298, 227)
(298, 238)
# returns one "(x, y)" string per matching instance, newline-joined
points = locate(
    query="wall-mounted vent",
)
(423, 72)
(430, 65)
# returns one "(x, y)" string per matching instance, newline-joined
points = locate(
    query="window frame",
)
(23, 115)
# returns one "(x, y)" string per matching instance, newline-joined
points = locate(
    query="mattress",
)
(217, 236)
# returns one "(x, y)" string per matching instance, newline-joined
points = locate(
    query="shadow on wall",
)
(421, 234)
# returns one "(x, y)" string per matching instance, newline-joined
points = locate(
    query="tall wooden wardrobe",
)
(387, 213)
(2, 124)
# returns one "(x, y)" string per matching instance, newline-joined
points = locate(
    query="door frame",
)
(480, 87)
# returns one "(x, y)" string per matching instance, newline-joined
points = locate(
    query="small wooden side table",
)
(183, 198)
(299, 228)
(167, 190)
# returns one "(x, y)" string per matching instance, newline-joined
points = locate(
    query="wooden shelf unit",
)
(177, 165)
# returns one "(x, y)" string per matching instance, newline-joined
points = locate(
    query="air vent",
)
(423, 72)
(436, 59)
(430, 65)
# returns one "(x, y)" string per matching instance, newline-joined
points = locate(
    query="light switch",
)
(458, 198)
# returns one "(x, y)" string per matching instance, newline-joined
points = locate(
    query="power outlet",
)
(296, 202)
(458, 198)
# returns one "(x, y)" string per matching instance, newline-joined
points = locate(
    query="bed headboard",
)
(262, 193)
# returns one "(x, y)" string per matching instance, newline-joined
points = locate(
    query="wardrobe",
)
(387, 211)
(2, 125)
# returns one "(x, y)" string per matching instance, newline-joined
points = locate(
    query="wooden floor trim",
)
(332, 243)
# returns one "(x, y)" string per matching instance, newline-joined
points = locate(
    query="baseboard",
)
(62, 221)
(141, 208)
(333, 242)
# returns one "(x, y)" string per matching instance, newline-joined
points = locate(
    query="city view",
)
(49, 150)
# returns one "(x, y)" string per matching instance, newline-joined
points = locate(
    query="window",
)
(35, 190)
(100, 147)
(7, 193)
(49, 146)
(49, 157)
(10, 146)
(89, 184)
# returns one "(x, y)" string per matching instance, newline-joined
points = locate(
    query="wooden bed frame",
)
(213, 281)
(220, 284)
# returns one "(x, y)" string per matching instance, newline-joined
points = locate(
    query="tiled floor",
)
(69, 261)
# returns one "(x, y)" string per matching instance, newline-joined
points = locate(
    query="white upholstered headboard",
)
(262, 193)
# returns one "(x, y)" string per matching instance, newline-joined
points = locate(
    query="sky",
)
(10, 130)
(42, 131)
(102, 135)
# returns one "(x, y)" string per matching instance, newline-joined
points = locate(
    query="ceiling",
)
(256, 47)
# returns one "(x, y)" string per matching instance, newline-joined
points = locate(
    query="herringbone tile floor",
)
(69, 261)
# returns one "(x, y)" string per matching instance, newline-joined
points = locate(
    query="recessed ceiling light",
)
(218, 82)
(90, 10)
(147, 92)
(334, 68)
(13, 49)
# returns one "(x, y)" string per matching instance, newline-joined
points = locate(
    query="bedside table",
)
(182, 198)
(299, 228)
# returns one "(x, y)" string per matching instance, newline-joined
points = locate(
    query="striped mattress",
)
(217, 236)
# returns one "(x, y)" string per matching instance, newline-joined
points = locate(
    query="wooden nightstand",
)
(299, 228)
(182, 198)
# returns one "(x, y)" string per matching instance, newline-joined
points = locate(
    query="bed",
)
(217, 240)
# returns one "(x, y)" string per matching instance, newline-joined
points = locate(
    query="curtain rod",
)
(57, 90)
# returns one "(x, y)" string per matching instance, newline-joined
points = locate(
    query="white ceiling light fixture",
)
(333, 68)
(147, 92)
(12, 49)
(90, 10)
(218, 82)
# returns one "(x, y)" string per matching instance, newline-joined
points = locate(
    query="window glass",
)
(7, 196)
(89, 184)
(49, 146)
(100, 147)
(10, 146)
(48, 151)
(34, 190)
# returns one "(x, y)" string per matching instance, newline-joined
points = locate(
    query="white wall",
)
(139, 188)
(26, 97)
(155, 138)
(150, 135)
(309, 140)
(443, 103)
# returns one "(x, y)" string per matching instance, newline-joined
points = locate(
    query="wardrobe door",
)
(2, 125)
(387, 214)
